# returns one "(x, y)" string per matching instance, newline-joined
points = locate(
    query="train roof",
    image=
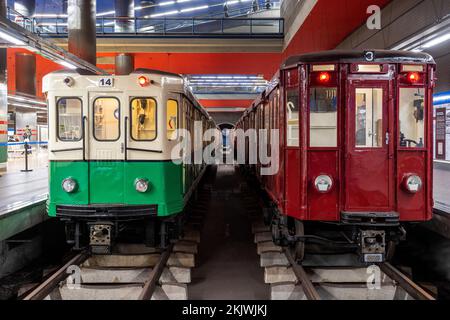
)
(157, 72)
(346, 56)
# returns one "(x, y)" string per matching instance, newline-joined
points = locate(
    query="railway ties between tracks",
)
(291, 281)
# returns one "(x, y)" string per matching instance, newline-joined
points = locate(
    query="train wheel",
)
(298, 249)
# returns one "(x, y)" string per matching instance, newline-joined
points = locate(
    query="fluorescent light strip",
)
(17, 98)
(11, 39)
(441, 98)
(66, 64)
(194, 9)
(437, 41)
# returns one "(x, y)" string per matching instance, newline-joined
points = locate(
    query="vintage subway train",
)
(355, 149)
(110, 163)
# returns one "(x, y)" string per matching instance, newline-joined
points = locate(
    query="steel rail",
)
(308, 287)
(46, 287)
(155, 274)
(405, 282)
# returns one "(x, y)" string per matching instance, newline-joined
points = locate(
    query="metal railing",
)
(159, 27)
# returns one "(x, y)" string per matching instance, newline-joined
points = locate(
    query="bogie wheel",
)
(298, 248)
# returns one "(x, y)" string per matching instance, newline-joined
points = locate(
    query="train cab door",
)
(368, 155)
(105, 149)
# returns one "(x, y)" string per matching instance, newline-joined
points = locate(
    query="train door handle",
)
(387, 138)
(122, 147)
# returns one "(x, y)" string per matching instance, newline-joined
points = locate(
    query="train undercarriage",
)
(374, 243)
(100, 234)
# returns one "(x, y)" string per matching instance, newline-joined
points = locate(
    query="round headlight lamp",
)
(141, 185)
(323, 183)
(413, 183)
(69, 185)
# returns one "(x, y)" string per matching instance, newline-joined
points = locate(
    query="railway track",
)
(132, 273)
(291, 281)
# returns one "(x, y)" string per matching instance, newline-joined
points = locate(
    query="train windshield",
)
(106, 119)
(143, 119)
(412, 117)
(69, 119)
(323, 117)
(369, 117)
(292, 118)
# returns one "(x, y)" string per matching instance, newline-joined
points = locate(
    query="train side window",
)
(323, 117)
(412, 117)
(292, 118)
(172, 119)
(369, 118)
(70, 114)
(106, 119)
(143, 119)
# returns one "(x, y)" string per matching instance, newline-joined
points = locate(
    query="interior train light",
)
(323, 183)
(141, 185)
(69, 185)
(143, 81)
(413, 183)
(324, 77)
(413, 77)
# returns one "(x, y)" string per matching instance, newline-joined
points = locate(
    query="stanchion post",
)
(26, 159)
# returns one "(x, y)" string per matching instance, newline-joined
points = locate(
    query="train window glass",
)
(69, 119)
(323, 117)
(143, 119)
(292, 118)
(106, 119)
(172, 119)
(369, 118)
(412, 116)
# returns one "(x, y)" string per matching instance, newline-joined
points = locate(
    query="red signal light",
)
(143, 81)
(324, 77)
(413, 77)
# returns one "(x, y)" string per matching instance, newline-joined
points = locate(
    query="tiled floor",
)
(442, 186)
(18, 187)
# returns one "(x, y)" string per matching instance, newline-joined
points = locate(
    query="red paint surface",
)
(226, 103)
(365, 180)
(43, 66)
(329, 23)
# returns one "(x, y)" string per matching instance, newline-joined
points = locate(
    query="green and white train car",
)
(110, 145)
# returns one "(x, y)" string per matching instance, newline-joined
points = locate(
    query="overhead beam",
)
(43, 47)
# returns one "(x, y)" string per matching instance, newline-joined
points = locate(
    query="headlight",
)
(413, 183)
(141, 185)
(323, 183)
(69, 185)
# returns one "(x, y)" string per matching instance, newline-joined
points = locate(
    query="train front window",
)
(292, 118)
(143, 119)
(69, 119)
(172, 119)
(369, 118)
(412, 117)
(106, 119)
(323, 117)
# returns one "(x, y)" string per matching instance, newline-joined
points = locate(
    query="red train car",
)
(355, 148)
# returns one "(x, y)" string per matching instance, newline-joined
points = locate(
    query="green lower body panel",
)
(112, 183)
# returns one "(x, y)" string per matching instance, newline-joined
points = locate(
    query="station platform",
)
(441, 186)
(22, 200)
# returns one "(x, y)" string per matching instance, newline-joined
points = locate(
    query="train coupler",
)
(100, 237)
(372, 245)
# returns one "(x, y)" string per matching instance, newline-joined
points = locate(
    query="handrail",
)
(163, 26)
